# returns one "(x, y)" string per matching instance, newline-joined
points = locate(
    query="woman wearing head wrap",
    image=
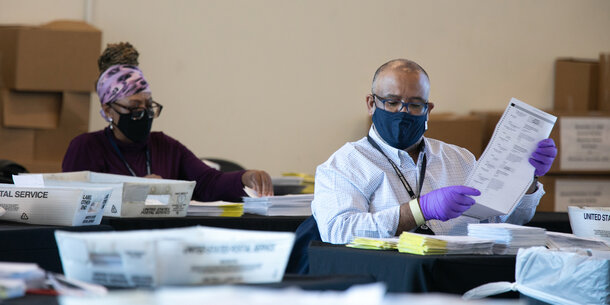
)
(128, 147)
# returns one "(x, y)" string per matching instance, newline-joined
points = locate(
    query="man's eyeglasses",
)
(153, 110)
(414, 105)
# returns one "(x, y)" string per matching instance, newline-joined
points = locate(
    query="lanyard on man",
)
(403, 180)
(423, 229)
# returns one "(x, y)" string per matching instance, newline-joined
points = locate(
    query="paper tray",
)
(63, 206)
(131, 196)
(592, 222)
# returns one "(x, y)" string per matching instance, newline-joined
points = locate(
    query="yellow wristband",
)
(416, 211)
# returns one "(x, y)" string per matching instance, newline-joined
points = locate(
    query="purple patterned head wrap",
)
(120, 81)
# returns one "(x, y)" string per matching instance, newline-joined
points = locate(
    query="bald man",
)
(395, 179)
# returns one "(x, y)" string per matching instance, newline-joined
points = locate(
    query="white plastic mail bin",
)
(52, 205)
(131, 196)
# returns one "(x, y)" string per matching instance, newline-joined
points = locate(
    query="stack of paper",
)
(442, 244)
(374, 243)
(15, 278)
(215, 208)
(288, 205)
(565, 241)
(508, 238)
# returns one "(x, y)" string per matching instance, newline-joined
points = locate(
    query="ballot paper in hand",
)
(503, 173)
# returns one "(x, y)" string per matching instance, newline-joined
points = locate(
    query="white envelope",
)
(183, 256)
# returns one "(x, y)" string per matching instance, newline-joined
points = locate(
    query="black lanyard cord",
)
(118, 151)
(402, 178)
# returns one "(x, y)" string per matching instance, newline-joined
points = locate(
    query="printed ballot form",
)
(503, 173)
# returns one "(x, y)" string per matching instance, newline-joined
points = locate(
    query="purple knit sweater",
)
(169, 159)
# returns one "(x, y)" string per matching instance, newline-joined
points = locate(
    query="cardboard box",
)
(604, 82)
(583, 142)
(17, 144)
(574, 190)
(461, 130)
(490, 119)
(51, 145)
(40, 166)
(576, 85)
(30, 109)
(59, 56)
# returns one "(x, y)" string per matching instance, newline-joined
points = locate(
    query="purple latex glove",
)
(542, 158)
(447, 202)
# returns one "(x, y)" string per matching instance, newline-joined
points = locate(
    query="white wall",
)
(280, 85)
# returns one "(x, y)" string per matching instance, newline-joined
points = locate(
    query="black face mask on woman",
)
(135, 130)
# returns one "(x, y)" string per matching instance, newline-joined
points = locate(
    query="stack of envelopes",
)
(508, 238)
(287, 205)
(374, 243)
(215, 208)
(422, 244)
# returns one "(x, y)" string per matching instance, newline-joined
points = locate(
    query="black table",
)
(551, 221)
(35, 243)
(404, 272)
(245, 222)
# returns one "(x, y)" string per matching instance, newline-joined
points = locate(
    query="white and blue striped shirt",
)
(357, 192)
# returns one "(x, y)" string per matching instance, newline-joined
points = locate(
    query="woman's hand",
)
(259, 181)
(154, 176)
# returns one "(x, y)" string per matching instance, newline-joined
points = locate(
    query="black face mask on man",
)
(135, 130)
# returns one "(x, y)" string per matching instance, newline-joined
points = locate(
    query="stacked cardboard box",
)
(47, 74)
(580, 174)
(460, 130)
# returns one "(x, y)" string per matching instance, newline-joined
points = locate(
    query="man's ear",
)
(370, 104)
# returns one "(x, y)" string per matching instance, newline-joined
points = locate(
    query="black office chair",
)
(9, 168)
(225, 165)
(304, 235)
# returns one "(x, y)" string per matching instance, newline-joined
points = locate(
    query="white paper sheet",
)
(585, 143)
(503, 173)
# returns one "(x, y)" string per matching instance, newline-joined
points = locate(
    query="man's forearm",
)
(533, 187)
(406, 221)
